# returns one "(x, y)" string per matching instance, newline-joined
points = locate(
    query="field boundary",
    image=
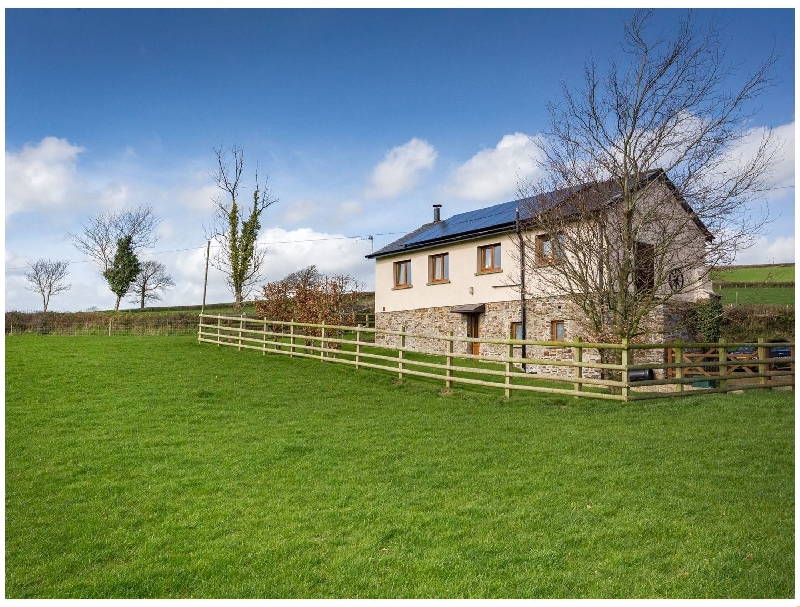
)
(686, 368)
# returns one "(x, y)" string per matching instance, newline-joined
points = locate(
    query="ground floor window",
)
(557, 332)
(516, 330)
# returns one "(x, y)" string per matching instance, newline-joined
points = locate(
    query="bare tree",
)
(151, 279)
(239, 256)
(646, 182)
(100, 236)
(47, 277)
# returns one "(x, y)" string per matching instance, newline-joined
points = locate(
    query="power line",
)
(266, 243)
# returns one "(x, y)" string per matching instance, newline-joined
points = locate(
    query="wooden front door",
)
(472, 331)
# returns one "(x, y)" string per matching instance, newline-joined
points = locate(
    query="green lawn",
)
(776, 296)
(157, 467)
(755, 274)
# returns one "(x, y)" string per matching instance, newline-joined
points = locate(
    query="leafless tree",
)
(647, 180)
(151, 279)
(48, 278)
(239, 256)
(100, 234)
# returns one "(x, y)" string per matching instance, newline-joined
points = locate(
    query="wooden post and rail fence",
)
(670, 369)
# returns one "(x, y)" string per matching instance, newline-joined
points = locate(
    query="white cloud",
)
(495, 173)
(346, 210)
(42, 176)
(293, 250)
(299, 210)
(783, 171)
(399, 171)
(767, 249)
(196, 198)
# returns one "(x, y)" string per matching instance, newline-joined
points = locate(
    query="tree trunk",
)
(142, 301)
(116, 305)
(611, 357)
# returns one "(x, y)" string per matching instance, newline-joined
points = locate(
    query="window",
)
(549, 250)
(439, 268)
(557, 332)
(402, 274)
(516, 330)
(489, 258)
(644, 262)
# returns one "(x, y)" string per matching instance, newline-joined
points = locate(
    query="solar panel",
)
(472, 222)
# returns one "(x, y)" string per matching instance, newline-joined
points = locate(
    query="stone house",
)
(463, 274)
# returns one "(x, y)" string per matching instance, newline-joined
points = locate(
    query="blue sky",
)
(361, 118)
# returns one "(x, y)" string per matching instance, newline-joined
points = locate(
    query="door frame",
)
(473, 330)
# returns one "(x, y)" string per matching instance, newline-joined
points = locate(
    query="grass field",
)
(758, 292)
(771, 273)
(774, 296)
(156, 467)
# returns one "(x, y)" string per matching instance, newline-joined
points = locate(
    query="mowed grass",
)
(757, 293)
(157, 467)
(774, 296)
(755, 274)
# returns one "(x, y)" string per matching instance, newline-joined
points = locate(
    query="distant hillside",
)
(764, 284)
(781, 272)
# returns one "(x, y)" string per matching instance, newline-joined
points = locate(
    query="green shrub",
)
(707, 320)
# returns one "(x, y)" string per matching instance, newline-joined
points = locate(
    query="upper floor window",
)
(402, 274)
(549, 250)
(489, 258)
(439, 268)
(644, 262)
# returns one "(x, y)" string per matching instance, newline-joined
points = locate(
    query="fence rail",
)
(684, 368)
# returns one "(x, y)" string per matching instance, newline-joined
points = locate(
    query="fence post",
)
(577, 357)
(322, 342)
(219, 329)
(241, 323)
(723, 364)
(448, 383)
(109, 327)
(762, 367)
(291, 339)
(509, 354)
(626, 389)
(678, 350)
(358, 346)
(265, 339)
(400, 353)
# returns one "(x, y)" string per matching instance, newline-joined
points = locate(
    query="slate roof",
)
(501, 218)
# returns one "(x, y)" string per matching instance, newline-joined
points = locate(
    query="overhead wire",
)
(261, 242)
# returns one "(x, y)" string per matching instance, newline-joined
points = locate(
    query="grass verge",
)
(155, 467)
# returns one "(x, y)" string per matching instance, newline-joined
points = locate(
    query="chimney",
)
(436, 213)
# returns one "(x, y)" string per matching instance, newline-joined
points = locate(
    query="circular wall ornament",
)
(675, 279)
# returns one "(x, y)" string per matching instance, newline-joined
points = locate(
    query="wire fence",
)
(673, 369)
(100, 323)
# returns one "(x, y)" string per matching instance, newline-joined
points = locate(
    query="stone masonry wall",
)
(666, 324)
